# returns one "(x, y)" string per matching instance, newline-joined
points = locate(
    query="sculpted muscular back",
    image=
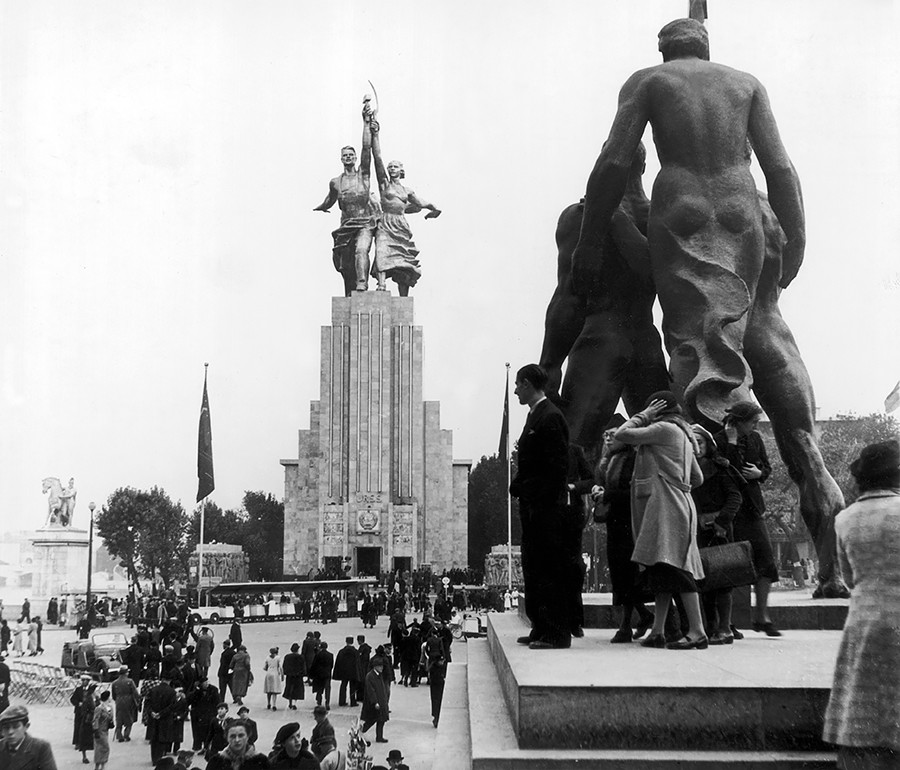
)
(705, 229)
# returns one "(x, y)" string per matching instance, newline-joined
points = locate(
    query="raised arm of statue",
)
(365, 160)
(782, 183)
(380, 171)
(607, 181)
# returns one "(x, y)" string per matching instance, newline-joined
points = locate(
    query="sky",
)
(159, 164)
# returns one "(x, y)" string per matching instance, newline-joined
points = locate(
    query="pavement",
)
(409, 729)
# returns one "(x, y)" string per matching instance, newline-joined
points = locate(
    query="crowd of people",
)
(175, 676)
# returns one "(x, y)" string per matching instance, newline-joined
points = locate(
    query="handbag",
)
(727, 566)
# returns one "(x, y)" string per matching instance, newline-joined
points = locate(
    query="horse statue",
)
(53, 489)
(60, 501)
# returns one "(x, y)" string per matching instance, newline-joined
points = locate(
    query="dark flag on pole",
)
(205, 481)
(504, 428)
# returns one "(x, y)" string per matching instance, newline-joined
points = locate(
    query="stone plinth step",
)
(758, 695)
(493, 744)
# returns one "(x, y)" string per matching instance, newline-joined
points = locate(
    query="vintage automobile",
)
(99, 656)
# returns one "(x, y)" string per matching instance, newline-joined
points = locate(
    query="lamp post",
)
(87, 608)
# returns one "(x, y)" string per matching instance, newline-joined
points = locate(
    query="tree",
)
(488, 493)
(840, 442)
(146, 530)
(218, 527)
(163, 542)
(264, 535)
(119, 524)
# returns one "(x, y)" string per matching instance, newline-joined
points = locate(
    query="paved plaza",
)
(409, 728)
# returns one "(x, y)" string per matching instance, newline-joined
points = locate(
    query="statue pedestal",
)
(60, 561)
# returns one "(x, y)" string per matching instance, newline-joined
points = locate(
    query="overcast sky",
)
(160, 162)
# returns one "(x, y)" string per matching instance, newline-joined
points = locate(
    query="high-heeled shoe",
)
(689, 644)
(655, 640)
(644, 625)
(768, 628)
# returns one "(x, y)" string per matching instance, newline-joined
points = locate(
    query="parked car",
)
(100, 656)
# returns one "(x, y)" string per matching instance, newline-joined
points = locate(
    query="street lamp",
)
(87, 608)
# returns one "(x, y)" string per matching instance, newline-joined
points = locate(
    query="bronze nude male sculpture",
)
(717, 260)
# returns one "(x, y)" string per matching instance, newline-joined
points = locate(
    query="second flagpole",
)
(509, 556)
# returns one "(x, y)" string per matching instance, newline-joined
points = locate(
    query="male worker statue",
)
(350, 190)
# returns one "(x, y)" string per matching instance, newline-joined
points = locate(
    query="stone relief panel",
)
(403, 527)
(334, 526)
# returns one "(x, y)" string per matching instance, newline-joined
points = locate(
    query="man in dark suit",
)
(161, 727)
(19, 750)
(224, 667)
(345, 670)
(540, 485)
(364, 653)
(320, 674)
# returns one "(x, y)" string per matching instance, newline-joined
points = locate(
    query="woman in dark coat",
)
(615, 471)
(85, 720)
(718, 499)
(740, 443)
(294, 667)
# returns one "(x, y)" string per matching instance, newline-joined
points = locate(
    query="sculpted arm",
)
(607, 181)
(330, 199)
(785, 196)
(418, 203)
(380, 172)
(365, 161)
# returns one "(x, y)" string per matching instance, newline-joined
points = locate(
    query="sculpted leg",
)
(785, 392)
(363, 245)
(595, 376)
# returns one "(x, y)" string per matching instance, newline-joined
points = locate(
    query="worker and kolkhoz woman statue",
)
(366, 218)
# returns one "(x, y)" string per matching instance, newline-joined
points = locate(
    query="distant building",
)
(375, 486)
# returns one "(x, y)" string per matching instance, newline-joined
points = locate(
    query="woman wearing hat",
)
(743, 447)
(863, 715)
(614, 472)
(84, 718)
(241, 675)
(274, 676)
(718, 499)
(663, 513)
(291, 749)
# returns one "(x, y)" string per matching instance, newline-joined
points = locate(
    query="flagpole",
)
(509, 562)
(200, 554)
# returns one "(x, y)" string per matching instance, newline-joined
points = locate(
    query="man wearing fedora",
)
(395, 760)
(18, 749)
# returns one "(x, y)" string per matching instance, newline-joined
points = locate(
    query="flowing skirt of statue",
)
(395, 252)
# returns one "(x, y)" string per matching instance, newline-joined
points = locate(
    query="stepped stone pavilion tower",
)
(375, 486)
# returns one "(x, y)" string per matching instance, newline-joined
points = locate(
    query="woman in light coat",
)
(663, 513)
(863, 715)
